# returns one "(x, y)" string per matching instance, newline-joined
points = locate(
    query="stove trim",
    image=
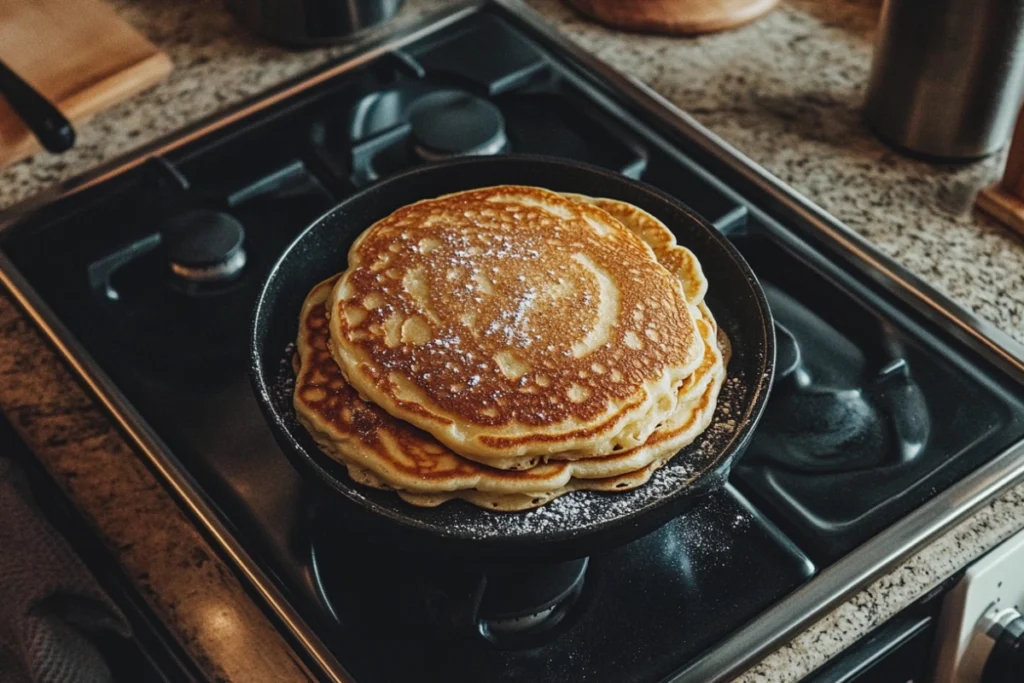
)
(772, 628)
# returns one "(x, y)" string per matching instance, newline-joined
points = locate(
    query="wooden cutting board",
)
(674, 17)
(77, 53)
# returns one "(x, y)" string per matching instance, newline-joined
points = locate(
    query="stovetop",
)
(875, 409)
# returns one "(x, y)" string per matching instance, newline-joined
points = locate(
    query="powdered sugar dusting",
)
(512, 324)
(282, 384)
(709, 537)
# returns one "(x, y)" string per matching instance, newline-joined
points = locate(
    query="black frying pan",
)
(580, 522)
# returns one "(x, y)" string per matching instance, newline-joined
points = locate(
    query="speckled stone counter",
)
(785, 91)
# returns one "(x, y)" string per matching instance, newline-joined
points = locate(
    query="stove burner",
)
(812, 426)
(205, 246)
(520, 624)
(445, 598)
(450, 123)
(528, 600)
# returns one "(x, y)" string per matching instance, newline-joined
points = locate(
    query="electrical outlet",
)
(990, 593)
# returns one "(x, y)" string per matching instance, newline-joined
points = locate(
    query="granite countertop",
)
(785, 90)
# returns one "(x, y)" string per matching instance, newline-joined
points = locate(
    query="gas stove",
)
(893, 414)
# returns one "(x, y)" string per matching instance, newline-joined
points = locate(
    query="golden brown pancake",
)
(360, 434)
(512, 323)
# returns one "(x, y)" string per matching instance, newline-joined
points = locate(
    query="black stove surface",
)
(155, 273)
(663, 594)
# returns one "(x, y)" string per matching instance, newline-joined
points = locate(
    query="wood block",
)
(1003, 206)
(77, 53)
(1005, 200)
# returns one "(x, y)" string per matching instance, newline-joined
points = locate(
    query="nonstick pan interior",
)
(580, 522)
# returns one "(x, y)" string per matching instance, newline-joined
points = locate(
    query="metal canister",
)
(947, 76)
(303, 23)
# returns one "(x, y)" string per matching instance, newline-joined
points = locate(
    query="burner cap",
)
(205, 246)
(523, 600)
(450, 123)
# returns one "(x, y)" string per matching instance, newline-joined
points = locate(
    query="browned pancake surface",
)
(677, 259)
(512, 323)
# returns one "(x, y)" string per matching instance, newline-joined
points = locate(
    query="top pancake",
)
(512, 323)
(675, 257)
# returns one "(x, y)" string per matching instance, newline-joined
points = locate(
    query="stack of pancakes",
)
(508, 345)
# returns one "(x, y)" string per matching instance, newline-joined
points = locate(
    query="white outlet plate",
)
(993, 583)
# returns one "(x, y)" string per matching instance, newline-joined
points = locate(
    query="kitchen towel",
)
(51, 608)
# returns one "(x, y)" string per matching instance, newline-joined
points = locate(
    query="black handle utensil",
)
(53, 131)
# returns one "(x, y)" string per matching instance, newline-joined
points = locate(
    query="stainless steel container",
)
(947, 76)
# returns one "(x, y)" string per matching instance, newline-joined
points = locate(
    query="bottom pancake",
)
(508, 502)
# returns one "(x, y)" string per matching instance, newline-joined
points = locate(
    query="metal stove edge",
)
(772, 628)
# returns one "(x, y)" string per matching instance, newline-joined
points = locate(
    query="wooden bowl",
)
(673, 17)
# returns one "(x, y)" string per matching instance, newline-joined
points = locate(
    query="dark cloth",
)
(51, 608)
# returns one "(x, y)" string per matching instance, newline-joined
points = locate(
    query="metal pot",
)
(302, 23)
